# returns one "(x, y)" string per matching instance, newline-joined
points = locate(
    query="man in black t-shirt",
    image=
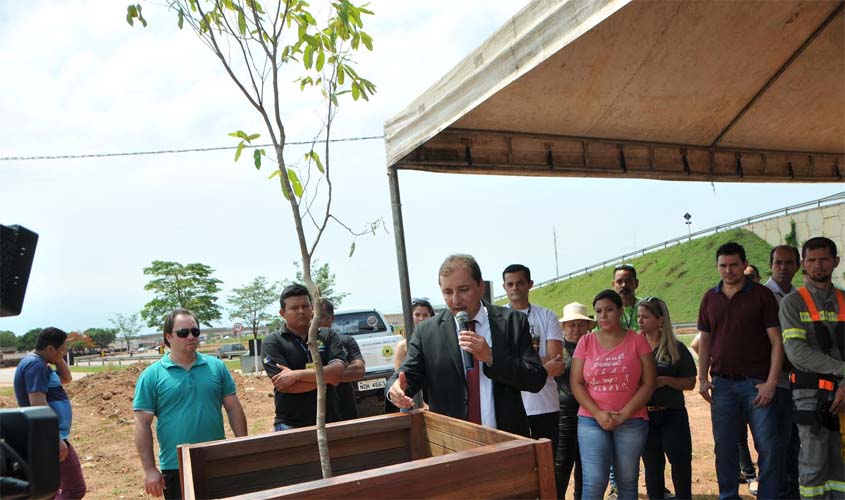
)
(289, 365)
(355, 367)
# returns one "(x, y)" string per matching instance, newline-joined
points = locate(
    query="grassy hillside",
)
(679, 275)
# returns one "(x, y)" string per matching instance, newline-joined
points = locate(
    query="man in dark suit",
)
(501, 343)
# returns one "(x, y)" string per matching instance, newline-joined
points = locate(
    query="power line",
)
(187, 150)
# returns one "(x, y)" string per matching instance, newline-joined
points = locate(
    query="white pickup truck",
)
(377, 342)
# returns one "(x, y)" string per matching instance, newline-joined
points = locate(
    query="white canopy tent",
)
(705, 90)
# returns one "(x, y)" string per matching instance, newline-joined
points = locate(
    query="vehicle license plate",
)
(376, 383)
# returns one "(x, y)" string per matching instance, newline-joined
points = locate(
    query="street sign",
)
(238, 328)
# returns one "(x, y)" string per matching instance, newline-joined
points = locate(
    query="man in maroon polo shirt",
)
(742, 350)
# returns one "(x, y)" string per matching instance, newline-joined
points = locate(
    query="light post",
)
(687, 216)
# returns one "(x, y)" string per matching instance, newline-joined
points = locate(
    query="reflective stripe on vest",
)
(814, 311)
(821, 490)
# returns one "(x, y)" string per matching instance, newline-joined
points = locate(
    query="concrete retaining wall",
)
(824, 221)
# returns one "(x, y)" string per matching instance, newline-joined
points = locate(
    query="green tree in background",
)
(26, 342)
(127, 326)
(102, 337)
(324, 279)
(8, 339)
(275, 324)
(250, 302)
(190, 286)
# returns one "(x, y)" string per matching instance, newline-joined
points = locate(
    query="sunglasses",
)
(652, 299)
(183, 333)
(420, 302)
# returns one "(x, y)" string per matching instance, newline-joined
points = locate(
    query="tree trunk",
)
(322, 438)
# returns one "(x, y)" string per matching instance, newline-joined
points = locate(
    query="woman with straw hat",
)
(575, 324)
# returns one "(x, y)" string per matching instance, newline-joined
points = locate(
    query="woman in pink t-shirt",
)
(613, 376)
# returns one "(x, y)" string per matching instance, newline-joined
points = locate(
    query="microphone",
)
(463, 325)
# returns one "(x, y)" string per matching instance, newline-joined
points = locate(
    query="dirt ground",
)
(103, 428)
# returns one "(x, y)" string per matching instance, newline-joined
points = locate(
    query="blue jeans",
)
(732, 402)
(623, 446)
(282, 427)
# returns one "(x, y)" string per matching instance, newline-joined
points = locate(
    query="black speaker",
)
(29, 453)
(17, 249)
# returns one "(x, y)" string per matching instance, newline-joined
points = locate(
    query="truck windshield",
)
(358, 323)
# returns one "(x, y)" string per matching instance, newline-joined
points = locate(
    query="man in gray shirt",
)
(784, 261)
(813, 322)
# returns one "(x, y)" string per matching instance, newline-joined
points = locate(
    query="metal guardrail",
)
(828, 200)
(114, 360)
(689, 324)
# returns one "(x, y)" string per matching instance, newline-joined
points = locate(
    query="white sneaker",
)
(752, 486)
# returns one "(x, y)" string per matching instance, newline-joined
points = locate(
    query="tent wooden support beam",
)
(465, 151)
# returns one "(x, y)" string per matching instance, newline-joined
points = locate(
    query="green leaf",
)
(321, 59)
(238, 151)
(255, 6)
(181, 19)
(356, 91)
(307, 56)
(371, 88)
(240, 134)
(368, 40)
(281, 184)
(131, 14)
(253, 137)
(352, 249)
(294, 182)
(315, 157)
(274, 174)
(319, 163)
(340, 73)
(140, 16)
(241, 22)
(256, 155)
(351, 71)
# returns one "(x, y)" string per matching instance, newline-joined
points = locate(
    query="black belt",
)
(730, 377)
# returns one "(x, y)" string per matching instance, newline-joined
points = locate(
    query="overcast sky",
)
(77, 79)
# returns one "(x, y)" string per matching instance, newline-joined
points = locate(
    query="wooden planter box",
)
(420, 454)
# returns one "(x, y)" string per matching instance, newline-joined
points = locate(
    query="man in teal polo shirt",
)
(184, 391)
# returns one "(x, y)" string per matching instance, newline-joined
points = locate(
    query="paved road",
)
(7, 376)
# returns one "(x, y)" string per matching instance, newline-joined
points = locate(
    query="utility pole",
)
(554, 236)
